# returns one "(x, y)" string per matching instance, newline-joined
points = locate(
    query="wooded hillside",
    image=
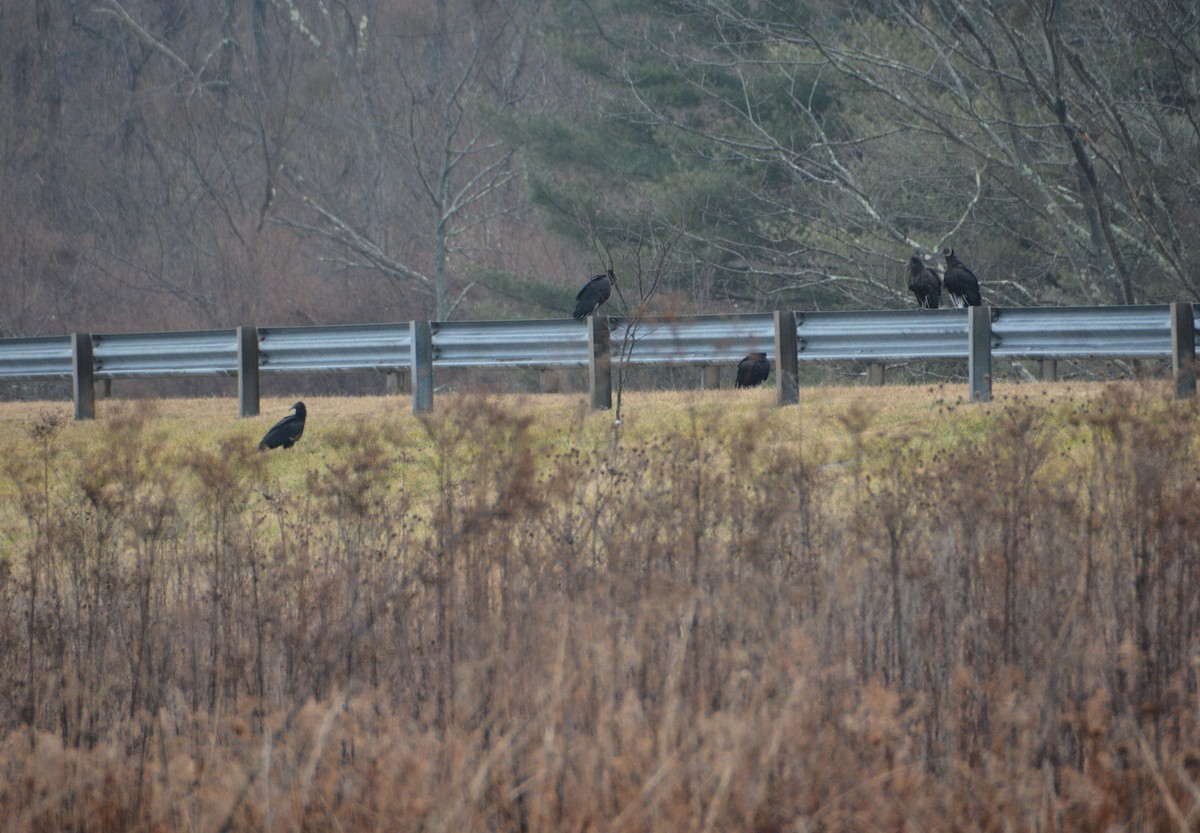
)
(171, 164)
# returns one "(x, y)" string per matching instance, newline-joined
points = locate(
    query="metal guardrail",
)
(148, 355)
(697, 340)
(1082, 332)
(874, 337)
(900, 335)
(383, 347)
(46, 357)
(703, 339)
(534, 343)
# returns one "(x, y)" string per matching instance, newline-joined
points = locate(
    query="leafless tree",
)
(430, 172)
(256, 160)
(1036, 137)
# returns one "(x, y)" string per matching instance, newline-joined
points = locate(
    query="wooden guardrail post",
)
(599, 362)
(1049, 370)
(1183, 349)
(83, 376)
(979, 352)
(876, 374)
(248, 392)
(787, 380)
(421, 333)
(710, 377)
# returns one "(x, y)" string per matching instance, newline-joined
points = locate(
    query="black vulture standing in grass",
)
(753, 370)
(924, 283)
(594, 293)
(960, 282)
(286, 431)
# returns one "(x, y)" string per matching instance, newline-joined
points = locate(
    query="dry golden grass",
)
(893, 411)
(881, 610)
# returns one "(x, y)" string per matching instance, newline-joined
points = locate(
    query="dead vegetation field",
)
(883, 609)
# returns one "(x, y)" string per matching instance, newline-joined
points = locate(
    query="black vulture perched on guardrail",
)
(594, 293)
(753, 370)
(286, 431)
(960, 282)
(924, 282)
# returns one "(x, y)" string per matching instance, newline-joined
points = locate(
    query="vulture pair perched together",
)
(960, 282)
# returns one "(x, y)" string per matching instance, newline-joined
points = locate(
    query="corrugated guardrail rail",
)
(149, 355)
(874, 337)
(384, 347)
(47, 357)
(1082, 332)
(536, 343)
(698, 340)
(882, 336)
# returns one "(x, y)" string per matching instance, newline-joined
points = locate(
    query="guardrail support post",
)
(979, 352)
(1049, 370)
(247, 339)
(787, 383)
(1183, 349)
(83, 376)
(599, 362)
(422, 366)
(710, 377)
(876, 371)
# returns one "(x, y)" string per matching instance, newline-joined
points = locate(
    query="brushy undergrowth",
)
(879, 611)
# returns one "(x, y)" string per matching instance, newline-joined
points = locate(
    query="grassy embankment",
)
(880, 610)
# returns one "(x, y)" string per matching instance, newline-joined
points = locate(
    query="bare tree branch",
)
(114, 8)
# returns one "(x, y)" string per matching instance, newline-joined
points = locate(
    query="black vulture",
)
(753, 370)
(960, 282)
(594, 293)
(924, 283)
(286, 431)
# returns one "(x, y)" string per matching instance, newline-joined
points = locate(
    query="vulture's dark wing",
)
(961, 283)
(286, 431)
(594, 293)
(925, 284)
(753, 370)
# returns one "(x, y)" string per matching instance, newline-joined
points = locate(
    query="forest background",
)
(174, 165)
